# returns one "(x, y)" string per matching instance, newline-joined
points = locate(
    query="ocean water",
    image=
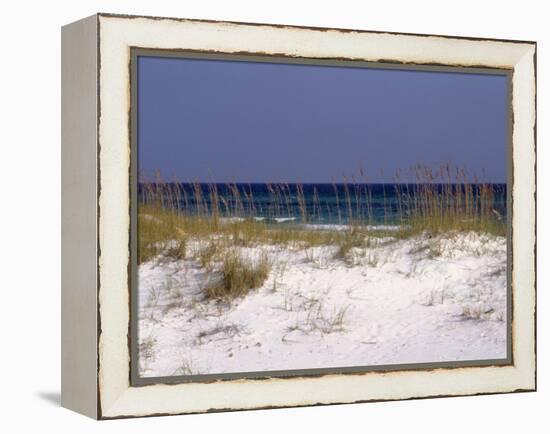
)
(309, 203)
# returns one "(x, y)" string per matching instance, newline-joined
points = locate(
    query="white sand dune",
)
(399, 301)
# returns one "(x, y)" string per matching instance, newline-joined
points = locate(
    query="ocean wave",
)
(258, 219)
(284, 219)
(232, 219)
(311, 226)
(339, 227)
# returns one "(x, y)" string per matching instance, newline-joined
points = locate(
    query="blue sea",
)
(305, 203)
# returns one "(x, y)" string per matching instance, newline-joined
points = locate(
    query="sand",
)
(422, 299)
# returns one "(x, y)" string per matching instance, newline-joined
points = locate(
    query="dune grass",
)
(160, 231)
(239, 275)
(439, 200)
(171, 218)
(165, 232)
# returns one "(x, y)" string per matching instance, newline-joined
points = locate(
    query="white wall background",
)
(30, 215)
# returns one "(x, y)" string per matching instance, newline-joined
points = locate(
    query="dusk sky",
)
(231, 121)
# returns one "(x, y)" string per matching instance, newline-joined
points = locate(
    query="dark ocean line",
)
(320, 203)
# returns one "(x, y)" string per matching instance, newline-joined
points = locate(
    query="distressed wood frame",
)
(96, 219)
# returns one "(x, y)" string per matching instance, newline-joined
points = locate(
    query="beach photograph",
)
(296, 217)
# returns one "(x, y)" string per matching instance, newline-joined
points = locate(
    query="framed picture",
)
(262, 216)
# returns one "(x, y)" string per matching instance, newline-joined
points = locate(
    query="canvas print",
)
(296, 217)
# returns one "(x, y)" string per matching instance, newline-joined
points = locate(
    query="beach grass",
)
(239, 275)
(164, 231)
(170, 218)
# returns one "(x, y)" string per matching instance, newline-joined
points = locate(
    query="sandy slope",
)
(400, 301)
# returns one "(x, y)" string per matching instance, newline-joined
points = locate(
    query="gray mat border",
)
(135, 379)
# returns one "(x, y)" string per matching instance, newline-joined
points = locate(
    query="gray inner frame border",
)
(135, 379)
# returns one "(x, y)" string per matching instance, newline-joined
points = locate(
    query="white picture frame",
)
(96, 140)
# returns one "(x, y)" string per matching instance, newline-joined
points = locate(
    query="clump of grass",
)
(472, 312)
(309, 255)
(177, 249)
(279, 275)
(147, 348)
(160, 230)
(372, 260)
(348, 241)
(239, 276)
(325, 322)
(336, 320)
(209, 253)
(435, 249)
(343, 250)
(185, 367)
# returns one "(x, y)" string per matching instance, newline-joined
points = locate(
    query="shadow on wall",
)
(52, 398)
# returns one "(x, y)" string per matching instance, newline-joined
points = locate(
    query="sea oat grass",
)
(239, 276)
(209, 253)
(159, 230)
(350, 239)
(177, 249)
(439, 201)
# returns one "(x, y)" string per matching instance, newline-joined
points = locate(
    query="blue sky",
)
(219, 120)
